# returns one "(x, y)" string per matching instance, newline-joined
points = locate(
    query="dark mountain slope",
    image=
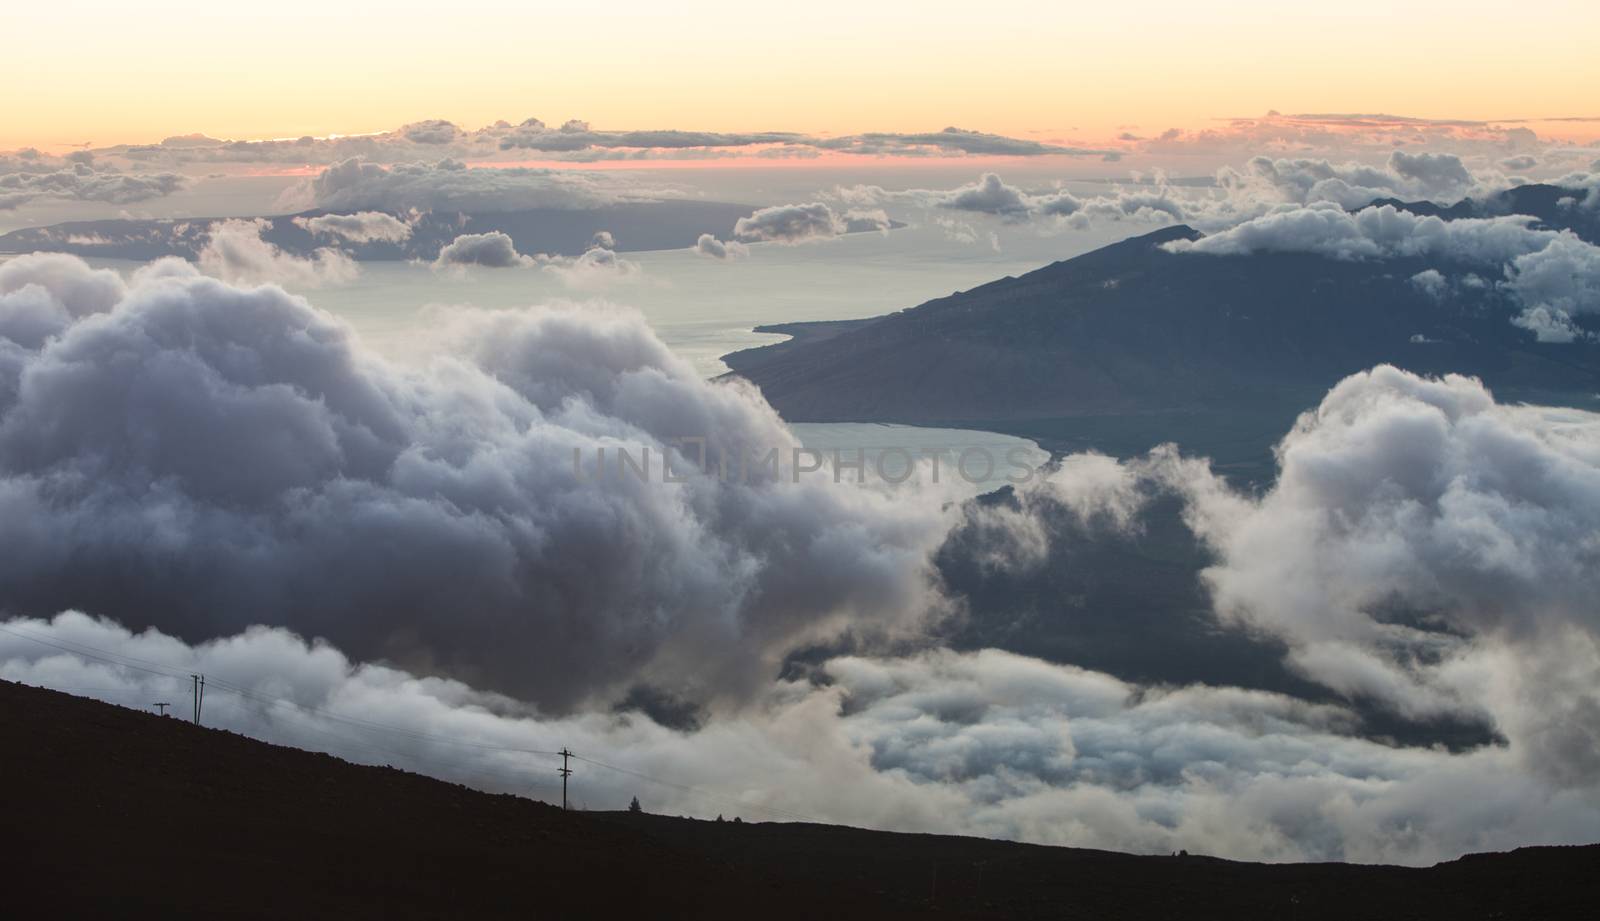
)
(114, 813)
(1132, 328)
(1552, 207)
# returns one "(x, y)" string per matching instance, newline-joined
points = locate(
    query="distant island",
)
(635, 226)
(1133, 343)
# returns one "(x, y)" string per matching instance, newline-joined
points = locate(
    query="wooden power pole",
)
(565, 773)
(199, 682)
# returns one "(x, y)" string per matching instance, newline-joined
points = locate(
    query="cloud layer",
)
(599, 266)
(806, 223)
(577, 141)
(27, 176)
(1424, 548)
(1554, 276)
(361, 227)
(182, 453)
(236, 252)
(450, 185)
(984, 743)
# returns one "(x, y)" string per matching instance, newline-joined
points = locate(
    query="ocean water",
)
(962, 462)
(703, 309)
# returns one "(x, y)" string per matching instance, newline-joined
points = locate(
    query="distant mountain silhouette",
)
(636, 226)
(1554, 208)
(1132, 328)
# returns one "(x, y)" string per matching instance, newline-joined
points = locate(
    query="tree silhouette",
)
(634, 806)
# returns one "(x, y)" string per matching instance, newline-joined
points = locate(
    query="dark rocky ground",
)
(115, 813)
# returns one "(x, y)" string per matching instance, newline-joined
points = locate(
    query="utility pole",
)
(161, 707)
(199, 690)
(565, 773)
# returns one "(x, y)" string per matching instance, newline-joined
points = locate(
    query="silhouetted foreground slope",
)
(110, 812)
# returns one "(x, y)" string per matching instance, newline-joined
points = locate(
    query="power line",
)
(165, 671)
(91, 652)
(199, 683)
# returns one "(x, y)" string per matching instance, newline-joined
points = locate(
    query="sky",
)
(1081, 71)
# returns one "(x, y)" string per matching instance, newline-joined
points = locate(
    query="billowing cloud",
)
(1264, 186)
(201, 457)
(1430, 548)
(954, 140)
(989, 195)
(578, 136)
(598, 266)
(964, 232)
(27, 176)
(1440, 173)
(711, 247)
(235, 252)
(1553, 275)
(361, 227)
(984, 743)
(356, 184)
(789, 224)
(493, 250)
(1431, 282)
(574, 137)
(1424, 548)
(1375, 233)
(1340, 135)
(432, 131)
(577, 141)
(1433, 176)
(1560, 281)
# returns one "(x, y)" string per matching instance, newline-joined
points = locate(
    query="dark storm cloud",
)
(203, 457)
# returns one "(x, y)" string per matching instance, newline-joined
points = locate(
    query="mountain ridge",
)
(128, 812)
(1133, 328)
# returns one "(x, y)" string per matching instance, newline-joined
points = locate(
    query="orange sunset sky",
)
(117, 72)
